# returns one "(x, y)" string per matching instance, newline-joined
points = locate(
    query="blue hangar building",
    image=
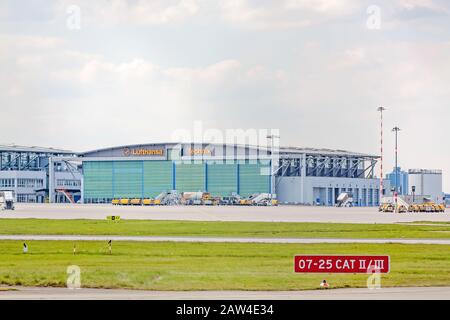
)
(295, 175)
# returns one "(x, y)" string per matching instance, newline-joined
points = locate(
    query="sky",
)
(81, 75)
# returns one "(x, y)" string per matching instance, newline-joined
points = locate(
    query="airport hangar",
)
(295, 175)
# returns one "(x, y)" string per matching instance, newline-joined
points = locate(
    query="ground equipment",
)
(345, 199)
(7, 200)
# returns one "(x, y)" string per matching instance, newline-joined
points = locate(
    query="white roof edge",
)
(37, 149)
(323, 151)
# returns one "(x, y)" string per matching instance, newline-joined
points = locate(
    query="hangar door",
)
(222, 179)
(106, 180)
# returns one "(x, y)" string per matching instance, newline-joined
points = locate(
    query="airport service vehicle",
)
(151, 202)
(427, 207)
(7, 200)
(199, 198)
(169, 198)
(259, 199)
(124, 202)
(389, 205)
(231, 200)
(136, 202)
(263, 199)
(345, 199)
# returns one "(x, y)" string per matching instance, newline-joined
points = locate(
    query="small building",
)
(402, 183)
(426, 182)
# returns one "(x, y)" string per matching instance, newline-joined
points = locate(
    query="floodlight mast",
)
(272, 157)
(396, 130)
(271, 137)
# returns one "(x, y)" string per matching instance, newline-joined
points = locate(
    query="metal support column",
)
(51, 180)
(302, 178)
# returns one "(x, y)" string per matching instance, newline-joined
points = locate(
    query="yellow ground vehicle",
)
(387, 207)
(157, 202)
(427, 207)
(147, 202)
(115, 202)
(245, 202)
(438, 207)
(135, 202)
(124, 202)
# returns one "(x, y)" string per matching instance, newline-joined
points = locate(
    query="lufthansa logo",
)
(126, 152)
(143, 152)
(196, 152)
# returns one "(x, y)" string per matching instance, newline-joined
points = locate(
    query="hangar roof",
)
(283, 150)
(325, 152)
(33, 149)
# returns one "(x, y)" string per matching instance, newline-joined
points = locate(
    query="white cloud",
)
(140, 12)
(414, 4)
(69, 89)
(247, 14)
(284, 13)
(328, 7)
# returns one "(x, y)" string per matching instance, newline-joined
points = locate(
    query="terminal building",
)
(296, 175)
(25, 171)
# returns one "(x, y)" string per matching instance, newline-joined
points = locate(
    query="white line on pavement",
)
(217, 239)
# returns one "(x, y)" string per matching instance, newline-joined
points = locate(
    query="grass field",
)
(210, 266)
(222, 229)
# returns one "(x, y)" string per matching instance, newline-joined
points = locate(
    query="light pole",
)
(380, 110)
(272, 137)
(396, 130)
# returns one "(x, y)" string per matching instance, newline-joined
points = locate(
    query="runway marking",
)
(218, 239)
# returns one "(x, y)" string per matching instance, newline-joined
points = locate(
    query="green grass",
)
(210, 266)
(222, 229)
(430, 222)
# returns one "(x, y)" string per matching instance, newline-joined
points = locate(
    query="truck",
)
(7, 200)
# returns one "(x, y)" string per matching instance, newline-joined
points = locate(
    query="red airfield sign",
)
(341, 264)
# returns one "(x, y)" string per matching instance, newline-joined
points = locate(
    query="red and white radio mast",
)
(381, 109)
